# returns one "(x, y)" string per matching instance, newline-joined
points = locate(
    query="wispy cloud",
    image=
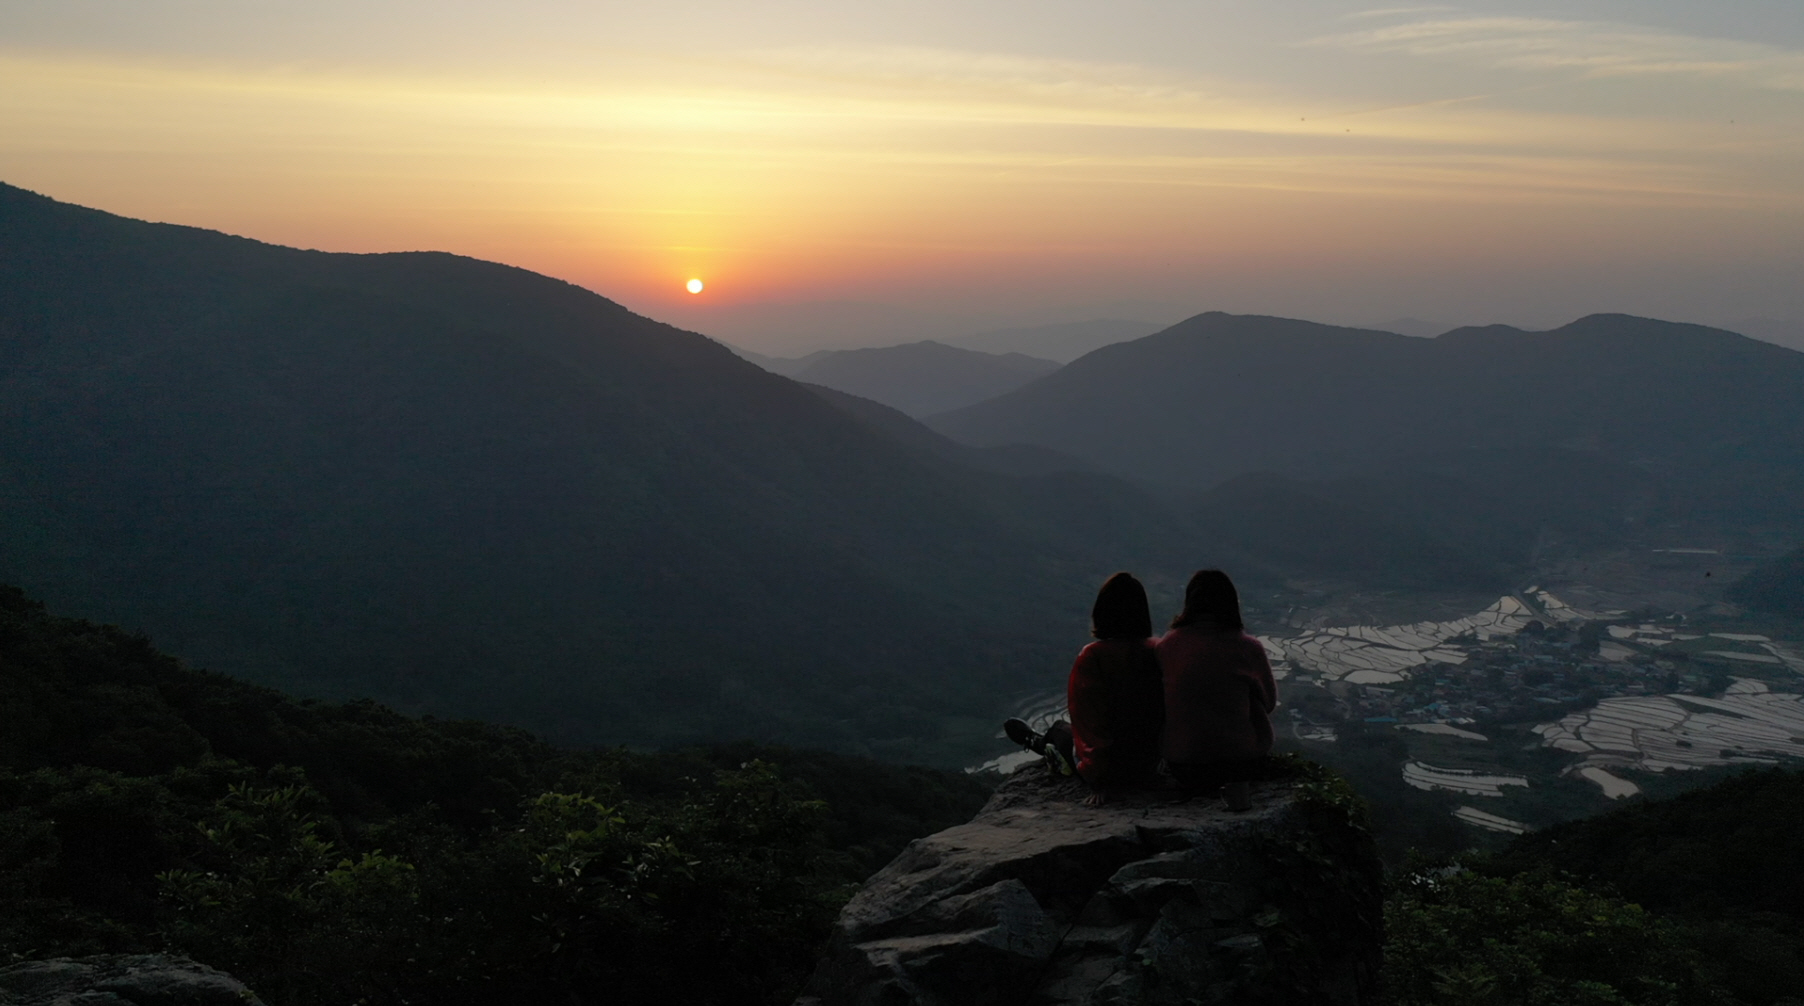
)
(1393, 11)
(1590, 48)
(897, 70)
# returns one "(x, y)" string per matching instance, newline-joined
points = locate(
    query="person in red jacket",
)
(1114, 698)
(1219, 692)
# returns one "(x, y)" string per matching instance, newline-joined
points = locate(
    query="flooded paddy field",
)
(1549, 704)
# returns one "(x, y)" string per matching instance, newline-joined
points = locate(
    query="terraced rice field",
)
(1614, 787)
(1422, 775)
(1445, 730)
(1489, 822)
(1658, 733)
(1383, 655)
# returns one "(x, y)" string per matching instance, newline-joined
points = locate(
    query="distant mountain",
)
(1415, 327)
(793, 329)
(1777, 586)
(1012, 459)
(1062, 342)
(774, 364)
(467, 489)
(1702, 424)
(1221, 394)
(1445, 534)
(1789, 334)
(919, 378)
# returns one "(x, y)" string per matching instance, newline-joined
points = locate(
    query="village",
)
(1621, 695)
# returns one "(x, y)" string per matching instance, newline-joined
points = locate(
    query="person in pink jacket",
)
(1219, 692)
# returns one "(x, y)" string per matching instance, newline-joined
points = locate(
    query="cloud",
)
(1393, 11)
(1590, 48)
(987, 75)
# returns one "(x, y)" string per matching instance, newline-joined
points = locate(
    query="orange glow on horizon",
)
(996, 184)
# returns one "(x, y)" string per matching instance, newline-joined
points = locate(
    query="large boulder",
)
(1041, 900)
(121, 980)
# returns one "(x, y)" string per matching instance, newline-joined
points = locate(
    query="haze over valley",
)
(582, 503)
(465, 489)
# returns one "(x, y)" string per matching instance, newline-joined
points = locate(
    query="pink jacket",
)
(1219, 695)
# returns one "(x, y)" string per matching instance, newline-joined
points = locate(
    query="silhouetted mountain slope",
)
(1061, 341)
(774, 364)
(1731, 846)
(1415, 327)
(1777, 586)
(1789, 334)
(1340, 529)
(1012, 459)
(1443, 532)
(918, 378)
(1713, 421)
(1722, 860)
(466, 488)
(146, 806)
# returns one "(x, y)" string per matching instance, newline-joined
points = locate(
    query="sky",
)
(842, 174)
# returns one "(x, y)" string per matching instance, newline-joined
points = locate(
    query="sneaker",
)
(1024, 735)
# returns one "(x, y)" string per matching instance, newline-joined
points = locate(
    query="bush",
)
(1460, 938)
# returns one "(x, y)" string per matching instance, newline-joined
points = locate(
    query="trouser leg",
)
(1059, 736)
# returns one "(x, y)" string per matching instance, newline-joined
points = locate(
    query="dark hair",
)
(1211, 602)
(1121, 611)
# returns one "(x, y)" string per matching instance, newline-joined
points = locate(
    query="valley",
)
(1532, 710)
(554, 502)
(1496, 569)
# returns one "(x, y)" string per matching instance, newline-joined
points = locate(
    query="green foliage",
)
(1401, 817)
(344, 853)
(1691, 899)
(1323, 889)
(1719, 862)
(628, 900)
(1673, 855)
(1459, 938)
(270, 895)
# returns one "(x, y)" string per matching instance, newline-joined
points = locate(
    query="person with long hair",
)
(1219, 692)
(1114, 698)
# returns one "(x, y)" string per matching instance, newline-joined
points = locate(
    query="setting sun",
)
(693, 286)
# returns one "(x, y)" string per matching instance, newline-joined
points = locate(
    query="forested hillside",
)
(1693, 899)
(1776, 587)
(343, 853)
(459, 487)
(333, 853)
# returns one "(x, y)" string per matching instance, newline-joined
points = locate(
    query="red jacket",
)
(1219, 695)
(1116, 706)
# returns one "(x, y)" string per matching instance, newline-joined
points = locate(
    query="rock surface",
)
(121, 980)
(1040, 900)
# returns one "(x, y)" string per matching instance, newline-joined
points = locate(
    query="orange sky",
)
(1029, 163)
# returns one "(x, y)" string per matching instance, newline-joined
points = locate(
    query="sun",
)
(693, 286)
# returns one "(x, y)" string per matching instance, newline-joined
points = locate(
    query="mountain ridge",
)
(1715, 417)
(918, 378)
(456, 485)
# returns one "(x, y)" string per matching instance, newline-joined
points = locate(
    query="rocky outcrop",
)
(1040, 900)
(121, 980)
